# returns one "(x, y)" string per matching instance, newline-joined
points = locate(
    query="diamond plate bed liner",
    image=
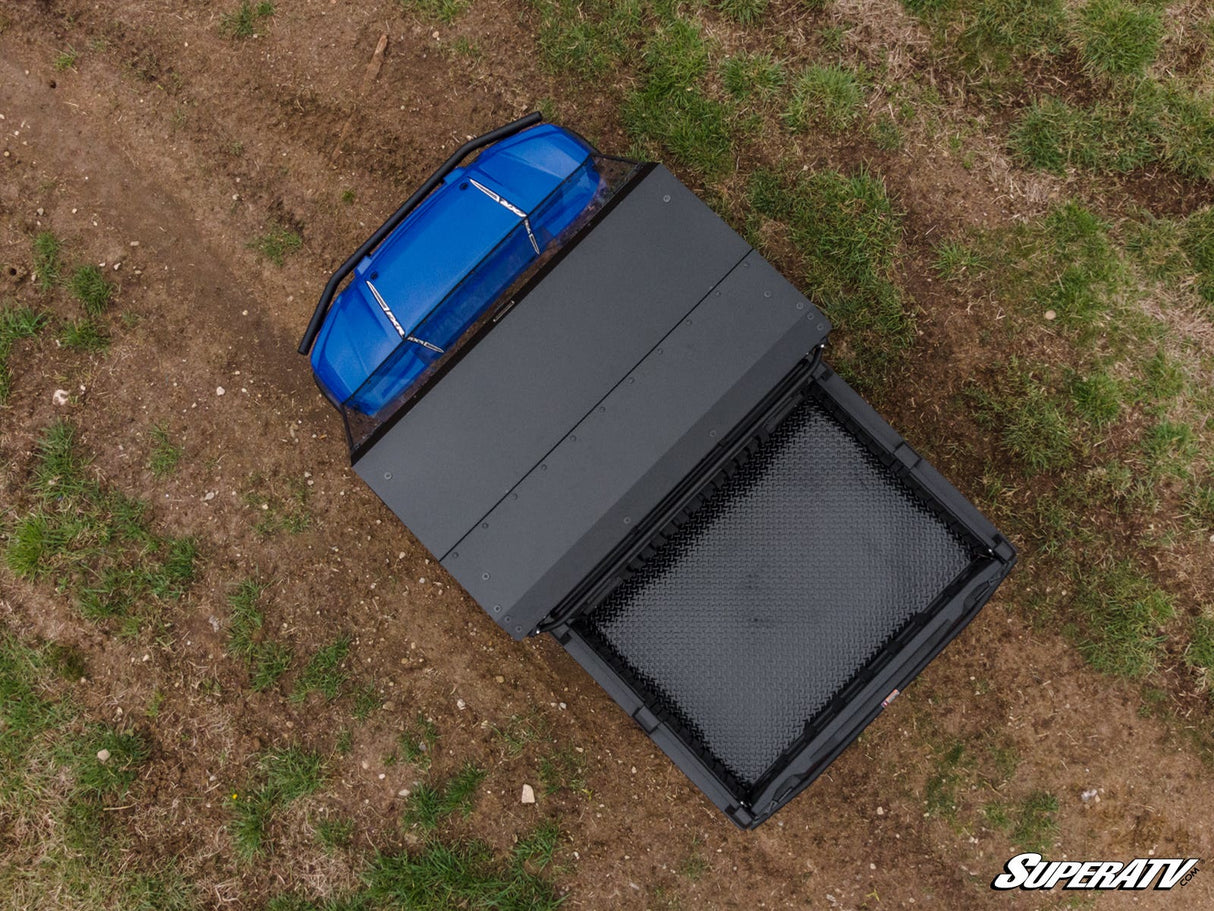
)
(803, 572)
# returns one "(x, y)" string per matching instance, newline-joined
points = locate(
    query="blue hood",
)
(447, 262)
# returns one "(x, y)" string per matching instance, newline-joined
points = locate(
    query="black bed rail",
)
(326, 297)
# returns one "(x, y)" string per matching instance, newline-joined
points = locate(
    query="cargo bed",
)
(639, 449)
(797, 592)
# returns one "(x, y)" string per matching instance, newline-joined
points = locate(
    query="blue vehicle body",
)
(410, 300)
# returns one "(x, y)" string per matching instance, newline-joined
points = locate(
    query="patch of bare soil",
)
(166, 134)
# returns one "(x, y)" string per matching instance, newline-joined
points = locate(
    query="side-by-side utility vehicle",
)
(609, 419)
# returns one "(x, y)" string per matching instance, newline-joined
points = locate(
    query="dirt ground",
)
(162, 152)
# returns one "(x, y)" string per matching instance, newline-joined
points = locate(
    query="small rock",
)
(528, 794)
(389, 706)
(219, 390)
(1087, 795)
(209, 495)
(61, 397)
(1051, 315)
(499, 679)
(880, 811)
(403, 792)
(103, 755)
(460, 704)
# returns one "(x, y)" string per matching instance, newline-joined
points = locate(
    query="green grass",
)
(243, 21)
(66, 59)
(830, 97)
(61, 840)
(165, 455)
(1196, 240)
(47, 265)
(279, 506)
(752, 76)
(589, 38)
(90, 286)
(1200, 651)
(955, 261)
(266, 659)
(467, 874)
(1170, 449)
(996, 34)
(84, 335)
(334, 834)
(885, 133)
(113, 777)
(276, 243)
(1120, 614)
(270, 660)
(245, 618)
(520, 731)
(324, 672)
(1035, 825)
(1200, 506)
(746, 12)
(1068, 263)
(366, 700)
(283, 776)
(94, 543)
(429, 805)
(16, 323)
(1096, 398)
(416, 742)
(940, 790)
(563, 770)
(846, 233)
(670, 108)
(1136, 127)
(1118, 38)
(1030, 418)
(1113, 138)
(445, 11)
(1156, 247)
(1161, 381)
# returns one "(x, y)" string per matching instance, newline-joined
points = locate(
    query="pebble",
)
(1090, 794)
(219, 390)
(103, 755)
(880, 811)
(60, 397)
(528, 794)
(460, 704)
(403, 792)
(499, 679)
(1050, 315)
